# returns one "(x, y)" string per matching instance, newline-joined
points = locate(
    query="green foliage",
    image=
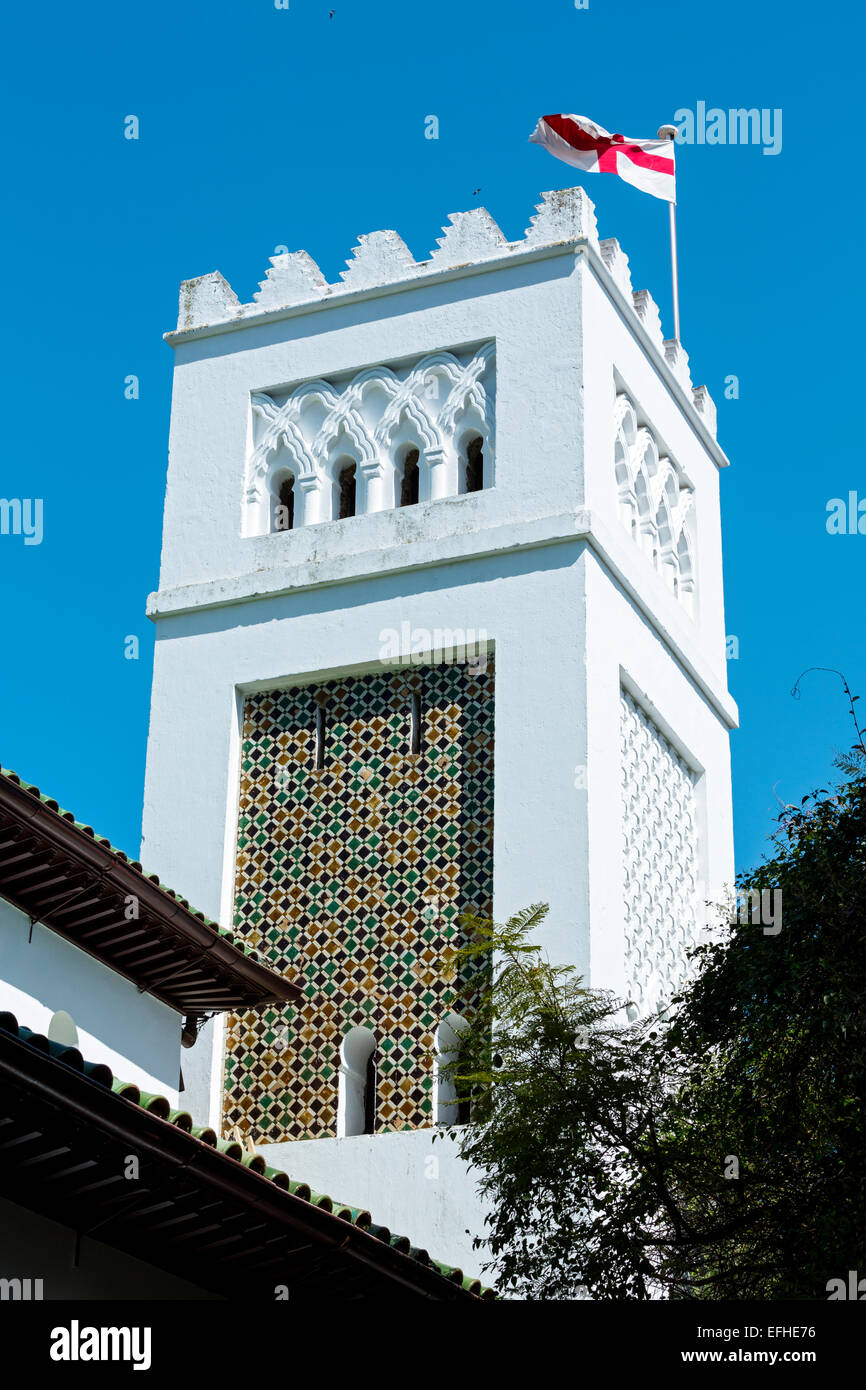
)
(607, 1150)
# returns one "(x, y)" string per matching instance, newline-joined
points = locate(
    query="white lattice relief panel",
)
(660, 857)
(656, 504)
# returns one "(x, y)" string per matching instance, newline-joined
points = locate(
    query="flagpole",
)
(668, 132)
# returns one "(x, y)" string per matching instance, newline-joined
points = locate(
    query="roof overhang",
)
(60, 874)
(198, 1210)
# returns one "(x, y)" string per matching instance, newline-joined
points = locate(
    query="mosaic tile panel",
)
(661, 860)
(352, 879)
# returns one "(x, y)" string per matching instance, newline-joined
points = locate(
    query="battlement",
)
(382, 261)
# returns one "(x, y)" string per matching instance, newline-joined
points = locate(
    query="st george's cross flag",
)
(648, 164)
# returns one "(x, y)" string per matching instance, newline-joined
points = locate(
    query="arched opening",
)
(62, 1029)
(450, 1108)
(357, 1084)
(628, 423)
(646, 520)
(410, 479)
(686, 576)
(348, 490)
(666, 552)
(649, 454)
(284, 504)
(475, 465)
(627, 504)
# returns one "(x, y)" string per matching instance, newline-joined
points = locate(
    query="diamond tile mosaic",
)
(352, 879)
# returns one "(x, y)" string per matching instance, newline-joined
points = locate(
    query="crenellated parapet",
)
(381, 261)
(294, 278)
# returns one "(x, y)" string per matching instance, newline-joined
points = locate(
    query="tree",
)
(717, 1151)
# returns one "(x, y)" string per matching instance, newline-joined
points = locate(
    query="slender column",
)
(438, 475)
(308, 494)
(372, 488)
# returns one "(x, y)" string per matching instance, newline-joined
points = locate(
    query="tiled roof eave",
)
(49, 1091)
(207, 969)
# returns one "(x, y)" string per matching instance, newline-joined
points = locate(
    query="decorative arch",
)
(338, 483)
(654, 502)
(468, 388)
(470, 425)
(406, 414)
(434, 404)
(408, 474)
(646, 523)
(447, 1108)
(646, 453)
(686, 570)
(311, 404)
(355, 1105)
(280, 447)
(344, 422)
(433, 380)
(283, 500)
(347, 488)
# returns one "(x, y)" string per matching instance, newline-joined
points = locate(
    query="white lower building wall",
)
(411, 1182)
(133, 1033)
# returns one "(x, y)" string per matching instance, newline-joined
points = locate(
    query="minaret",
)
(440, 626)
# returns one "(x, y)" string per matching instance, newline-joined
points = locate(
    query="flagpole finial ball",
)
(667, 132)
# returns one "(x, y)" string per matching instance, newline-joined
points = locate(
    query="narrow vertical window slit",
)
(284, 519)
(415, 723)
(321, 735)
(348, 491)
(475, 466)
(410, 480)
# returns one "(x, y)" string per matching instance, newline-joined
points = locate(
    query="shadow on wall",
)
(65, 980)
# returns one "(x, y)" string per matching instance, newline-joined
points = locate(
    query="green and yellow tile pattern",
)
(352, 879)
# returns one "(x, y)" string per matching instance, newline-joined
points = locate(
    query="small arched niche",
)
(409, 476)
(62, 1029)
(625, 491)
(339, 488)
(686, 572)
(448, 1108)
(347, 489)
(356, 1087)
(668, 563)
(628, 421)
(474, 464)
(283, 502)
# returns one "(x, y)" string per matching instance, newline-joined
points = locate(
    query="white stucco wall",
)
(540, 562)
(417, 1187)
(133, 1033)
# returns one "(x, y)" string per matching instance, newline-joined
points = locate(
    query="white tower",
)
(379, 490)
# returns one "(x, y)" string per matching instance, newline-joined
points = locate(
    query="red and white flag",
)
(648, 164)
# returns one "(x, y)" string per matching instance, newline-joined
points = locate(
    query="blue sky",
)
(262, 127)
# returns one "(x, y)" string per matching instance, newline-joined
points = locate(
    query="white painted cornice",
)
(627, 566)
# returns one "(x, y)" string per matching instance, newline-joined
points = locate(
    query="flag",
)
(648, 164)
